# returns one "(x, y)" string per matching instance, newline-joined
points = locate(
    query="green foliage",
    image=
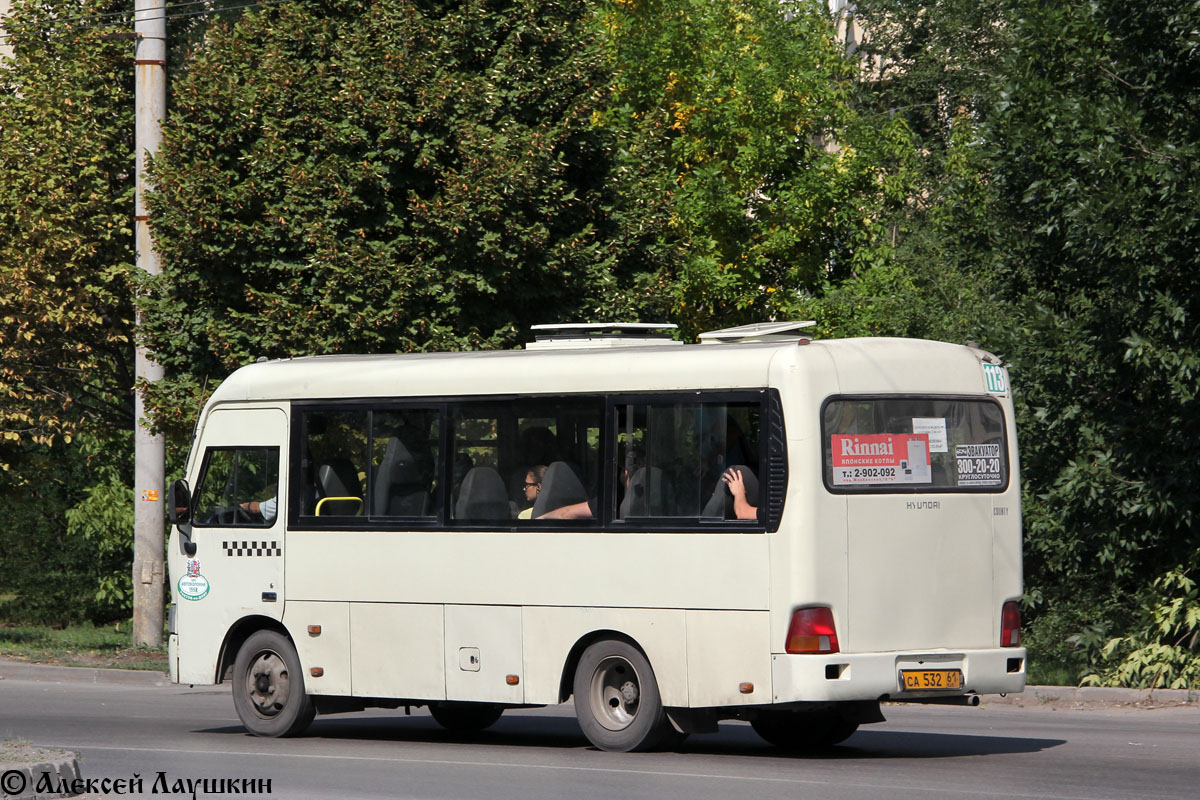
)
(104, 518)
(82, 644)
(374, 177)
(1095, 137)
(65, 548)
(66, 244)
(1060, 168)
(738, 121)
(1163, 652)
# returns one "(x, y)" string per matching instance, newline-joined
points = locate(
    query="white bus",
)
(760, 527)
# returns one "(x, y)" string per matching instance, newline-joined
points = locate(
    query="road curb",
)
(30, 781)
(1083, 695)
(21, 671)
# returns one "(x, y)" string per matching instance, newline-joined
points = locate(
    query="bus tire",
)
(268, 687)
(465, 717)
(617, 700)
(803, 731)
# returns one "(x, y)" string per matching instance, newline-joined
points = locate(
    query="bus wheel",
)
(268, 687)
(617, 700)
(465, 717)
(799, 731)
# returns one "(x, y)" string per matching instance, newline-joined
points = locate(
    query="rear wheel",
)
(617, 700)
(800, 731)
(465, 717)
(268, 687)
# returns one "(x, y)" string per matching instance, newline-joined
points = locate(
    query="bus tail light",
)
(1010, 625)
(812, 631)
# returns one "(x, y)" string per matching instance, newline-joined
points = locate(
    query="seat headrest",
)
(560, 487)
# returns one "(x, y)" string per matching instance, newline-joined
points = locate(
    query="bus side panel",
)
(551, 568)
(483, 648)
(329, 650)
(728, 653)
(808, 554)
(550, 633)
(398, 650)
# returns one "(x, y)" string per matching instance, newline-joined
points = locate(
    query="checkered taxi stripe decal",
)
(252, 548)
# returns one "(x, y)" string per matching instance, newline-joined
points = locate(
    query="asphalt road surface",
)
(920, 752)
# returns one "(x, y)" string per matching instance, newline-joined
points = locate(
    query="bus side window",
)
(670, 458)
(404, 447)
(238, 487)
(334, 444)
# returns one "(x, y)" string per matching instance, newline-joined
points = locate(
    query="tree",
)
(66, 198)
(390, 176)
(1098, 126)
(740, 120)
(1076, 124)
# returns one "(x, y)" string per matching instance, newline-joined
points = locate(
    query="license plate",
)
(927, 680)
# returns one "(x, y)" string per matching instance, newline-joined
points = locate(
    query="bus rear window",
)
(907, 444)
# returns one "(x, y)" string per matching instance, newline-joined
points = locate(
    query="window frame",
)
(296, 483)
(772, 466)
(206, 464)
(867, 489)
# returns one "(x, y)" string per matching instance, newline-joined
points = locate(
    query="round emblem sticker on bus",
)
(193, 585)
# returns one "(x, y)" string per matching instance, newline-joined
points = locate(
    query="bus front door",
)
(235, 568)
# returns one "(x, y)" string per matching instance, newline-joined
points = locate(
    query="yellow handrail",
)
(325, 500)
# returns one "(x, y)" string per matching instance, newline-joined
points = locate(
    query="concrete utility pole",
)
(149, 547)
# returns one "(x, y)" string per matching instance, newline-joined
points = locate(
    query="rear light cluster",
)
(1010, 625)
(812, 631)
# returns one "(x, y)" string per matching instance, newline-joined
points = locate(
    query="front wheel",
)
(617, 700)
(465, 717)
(268, 687)
(799, 731)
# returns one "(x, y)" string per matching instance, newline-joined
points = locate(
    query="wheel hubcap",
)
(615, 693)
(268, 684)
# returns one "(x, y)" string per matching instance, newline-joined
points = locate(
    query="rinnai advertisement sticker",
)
(881, 459)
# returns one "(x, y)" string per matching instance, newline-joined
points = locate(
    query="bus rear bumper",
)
(877, 676)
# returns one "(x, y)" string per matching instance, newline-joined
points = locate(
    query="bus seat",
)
(338, 478)
(400, 490)
(561, 486)
(720, 504)
(482, 496)
(647, 495)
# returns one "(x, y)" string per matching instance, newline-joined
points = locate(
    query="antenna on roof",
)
(601, 334)
(759, 332)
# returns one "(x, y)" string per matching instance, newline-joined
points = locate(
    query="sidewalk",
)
(1083, 696)
(23, 671)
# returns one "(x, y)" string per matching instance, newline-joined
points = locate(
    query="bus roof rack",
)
(759, 332)
(600, 334)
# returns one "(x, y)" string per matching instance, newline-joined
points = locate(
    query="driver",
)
(265, 508)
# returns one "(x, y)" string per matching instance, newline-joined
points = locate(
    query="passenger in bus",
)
(737, 487)
(586, 509)
(533, 487)
(562, 495)
(724, 449)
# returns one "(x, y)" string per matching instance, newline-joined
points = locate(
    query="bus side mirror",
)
(179, 503)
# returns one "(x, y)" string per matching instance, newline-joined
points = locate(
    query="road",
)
(920, 752)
